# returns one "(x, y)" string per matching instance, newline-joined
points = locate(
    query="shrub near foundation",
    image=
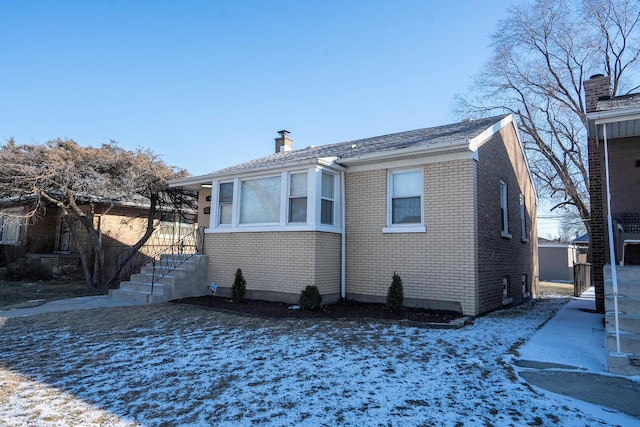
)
(239, 288)
(395, 294)
(310, 298)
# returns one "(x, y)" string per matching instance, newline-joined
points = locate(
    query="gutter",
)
(343, 242)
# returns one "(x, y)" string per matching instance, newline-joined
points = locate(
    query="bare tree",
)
(74, 179)
(542, 53)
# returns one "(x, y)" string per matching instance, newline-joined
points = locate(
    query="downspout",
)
(343, 243)
(612, 253)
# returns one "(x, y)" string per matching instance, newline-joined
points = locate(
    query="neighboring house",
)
(42, 245)
(614, 174)
(451, 209)
(556, 260)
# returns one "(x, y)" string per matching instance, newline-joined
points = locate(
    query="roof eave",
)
(461, 145)
(197, 183)
(612, 116)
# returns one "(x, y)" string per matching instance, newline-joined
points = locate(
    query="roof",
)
(620, 113)
(133, 201)
(581, 239)
(453, 136)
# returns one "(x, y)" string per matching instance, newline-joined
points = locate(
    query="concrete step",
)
(627, 289)
(178, 257)
(627, 273)
(625, 305)
(629, 343)
(627, 322)
(177, 272)
(623, 364)
(146, 288)
(129, 295)
(148, 278)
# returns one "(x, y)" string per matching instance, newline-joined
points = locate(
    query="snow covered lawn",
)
(182, 365)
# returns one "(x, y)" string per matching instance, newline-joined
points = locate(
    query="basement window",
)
(505, 291)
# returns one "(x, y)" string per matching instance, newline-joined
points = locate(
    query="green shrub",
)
(310, 298)
(395, 294)
(239, 287)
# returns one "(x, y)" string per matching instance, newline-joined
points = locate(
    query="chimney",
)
(596, 87)
(283, 142)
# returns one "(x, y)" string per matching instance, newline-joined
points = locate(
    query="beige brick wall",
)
(437, 267)
(276, 265)
(203, 219)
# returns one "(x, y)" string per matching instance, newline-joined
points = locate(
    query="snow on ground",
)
(179, 365)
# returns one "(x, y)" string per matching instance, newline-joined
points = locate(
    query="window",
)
(523, 220)
(298, 197)
(301, 199)
(504, 211)
(9, 230)
(505, 290)
(525, 286)
(327, 199)
(225, 202)
(260, 200)
(406, 197)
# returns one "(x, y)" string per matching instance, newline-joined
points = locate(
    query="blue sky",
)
(207, 84)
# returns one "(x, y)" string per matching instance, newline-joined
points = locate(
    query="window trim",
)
(218, 204)
(314, 188)
(506, 286)
(305, 197)
(332, 200)
(524, 230)
(404, 228)
(10, 228)
(504, 209)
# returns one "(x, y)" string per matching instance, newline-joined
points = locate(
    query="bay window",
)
(300, 199)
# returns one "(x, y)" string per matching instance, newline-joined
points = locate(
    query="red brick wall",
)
(500, 256)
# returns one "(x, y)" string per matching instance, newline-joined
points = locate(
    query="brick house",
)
(614, 178)
(42, 245)
(451, 209)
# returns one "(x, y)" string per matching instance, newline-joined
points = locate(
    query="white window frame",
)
(219, 204)
(314, 196)
(404, 228)
(289, 197)
(329, 199)
(524, 232)
(504, 208)
(280, 200)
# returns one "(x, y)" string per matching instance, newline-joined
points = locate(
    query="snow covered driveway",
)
(181, 365)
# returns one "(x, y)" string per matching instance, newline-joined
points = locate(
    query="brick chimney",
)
(596, 87)
(283, 142)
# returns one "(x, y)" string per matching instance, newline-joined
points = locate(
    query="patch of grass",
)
(28, 294)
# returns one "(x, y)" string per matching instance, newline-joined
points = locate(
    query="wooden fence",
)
(581, 278)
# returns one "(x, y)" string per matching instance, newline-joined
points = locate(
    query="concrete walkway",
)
(568, 356)
(69, 304)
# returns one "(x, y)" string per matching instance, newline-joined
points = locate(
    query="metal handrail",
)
(175, 254)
